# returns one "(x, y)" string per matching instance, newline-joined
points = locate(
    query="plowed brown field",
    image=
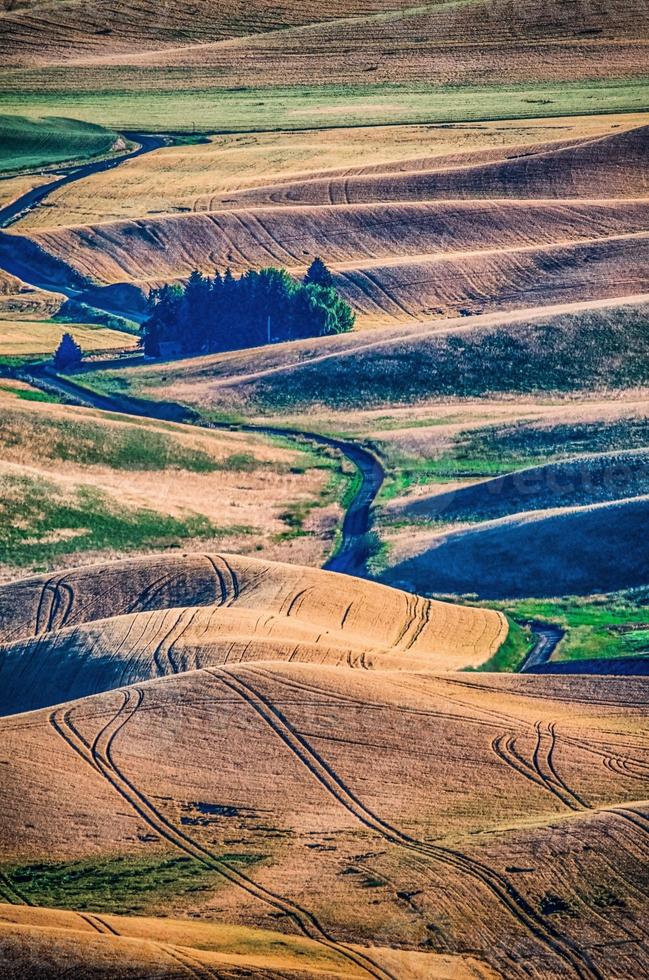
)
(374, 41)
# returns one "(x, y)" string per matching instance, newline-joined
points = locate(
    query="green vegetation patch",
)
(511, 654)
(29, 395)
(340, 487)
(121, 885)
(403, 471)
(526, 444)
(127, 447)
(495, 450)
(615, 625)
(39, 522)
(28, 143)
(158, 101)
(75, 311)
(534, 357)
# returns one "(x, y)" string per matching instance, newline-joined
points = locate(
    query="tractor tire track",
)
(505, 748)
(99, 755)
(507, 896)
(580, 802)
(193, 967)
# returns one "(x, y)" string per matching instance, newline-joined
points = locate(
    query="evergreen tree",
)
(318, 274)
(68, 354)
(163, 324)
(195, 313)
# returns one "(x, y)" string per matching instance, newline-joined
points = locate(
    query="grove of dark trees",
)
(224, 312)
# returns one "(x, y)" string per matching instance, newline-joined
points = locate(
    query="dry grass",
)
(14, 187)
(24, 337)
(17, 299)
(501, 354)
(240, 484)
(91, 944)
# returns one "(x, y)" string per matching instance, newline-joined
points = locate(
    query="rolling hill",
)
(606, 166)
(238, 798)
(239, 610)
(519, 353)
(205, 173)
(572, 551)
(441, 236)
(591, 479)
(218, 760)
(371, 40)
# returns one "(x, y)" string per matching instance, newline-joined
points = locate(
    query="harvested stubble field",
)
(133, 47)
(81, 483)
(194, 177)
(448, 233)
(240, 794)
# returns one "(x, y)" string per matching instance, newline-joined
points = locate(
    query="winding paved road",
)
(350, 557)
(31, 199)
(548, 636)
(352, 552)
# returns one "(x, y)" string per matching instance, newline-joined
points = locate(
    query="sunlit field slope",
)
(414, 238)
(238, 609)
(253, 794)
(82, 483)
(201, 176)
(27, 337)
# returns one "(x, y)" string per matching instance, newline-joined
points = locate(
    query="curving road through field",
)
(351, 554)
(17, 209)
(352, 551)
(547, 638)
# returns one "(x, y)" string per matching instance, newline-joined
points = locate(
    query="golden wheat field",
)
(327, 657)
(569, 756)
(462, 229)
